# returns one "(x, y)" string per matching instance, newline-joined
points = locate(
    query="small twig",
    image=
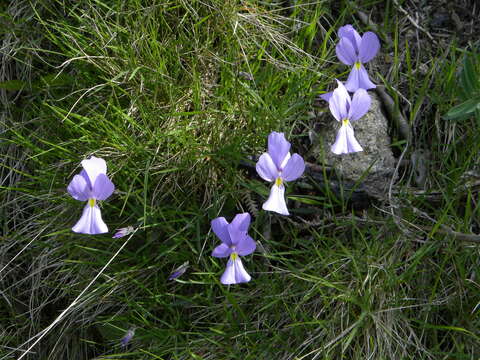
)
(396, 116)
(328, 222)
(445, 230)
(365, 19)
(412, 20)
(393, 201)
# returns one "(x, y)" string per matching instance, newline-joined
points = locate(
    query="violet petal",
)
(93, 167)
(346, 52)
(234, 273)
(368, 47)
(79, 188)
(221, 251)
(236, 235)
(241, 222)
(345, 141)
(123, 232)
(352, 83)
(219, 227)
(246, 246)
(294, 168)
(278, 148)
(128, 336)
(103, 187)
(349, 32)
(266, 168)
(340, 145)
(353, 145)
(238, 228)
(339, 103)
(179, 271)
(358, 79)
(327, 96)
(91, 221)
(276, 201)
(241, 275)
(364, 80)
(361, 102)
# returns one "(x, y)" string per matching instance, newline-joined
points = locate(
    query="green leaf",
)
(463, 110)
(468, 76)
(13, 85)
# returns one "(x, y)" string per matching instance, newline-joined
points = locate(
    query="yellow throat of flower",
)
(345, 122)
(91, 202)
(278, 181)
(233, 256)
(358, 65)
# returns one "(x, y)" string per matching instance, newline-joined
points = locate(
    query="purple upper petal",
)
(358, 79)
(294, 168)
(339, 103)
(361, 102)
(266, 168)
(238, 228)
(351, 34)
(103, 187)
(241, 222)
(246, 246)
(94, 167)
(368, 47)
(346, 52)
(278, 148)
(236, 235)
(79, 188)
(219, 227)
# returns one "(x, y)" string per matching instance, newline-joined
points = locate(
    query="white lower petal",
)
(91, 221)
(353, 145)
(276, 200)
(340, 144)
(345, 142)
(235, 272)
(241, 274)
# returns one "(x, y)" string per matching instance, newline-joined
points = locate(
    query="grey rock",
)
(373, 167)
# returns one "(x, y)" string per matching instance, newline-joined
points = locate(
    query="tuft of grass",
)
(176, 96)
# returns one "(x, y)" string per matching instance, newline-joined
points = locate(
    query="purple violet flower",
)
(235, 243)
(123, 232)
(128, 336)
(277, 165)
(355, 50)
(179, 271)
(90, 185)
(346, 110)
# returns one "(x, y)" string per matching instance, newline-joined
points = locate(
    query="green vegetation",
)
(158, 89)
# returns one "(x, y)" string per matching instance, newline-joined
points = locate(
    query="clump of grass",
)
(157, 90)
